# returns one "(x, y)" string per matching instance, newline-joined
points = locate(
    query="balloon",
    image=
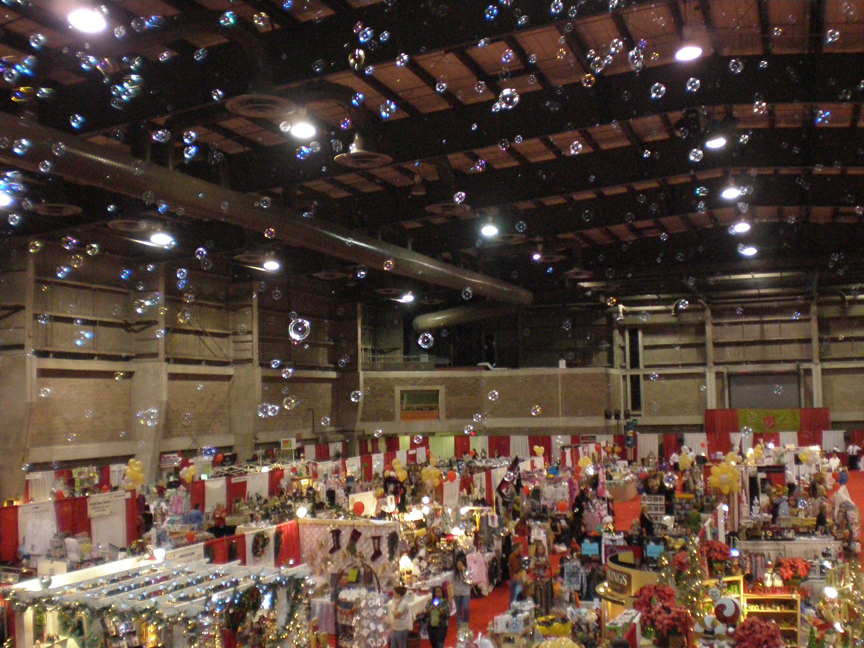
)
(190, 537)
(105, 488)
(538, 450)
(835, 475)
(219, 458)
(451, 476)
(402, 475)
(618, 450)
(562, 506)
(584, 462)
(526, 490)
(396, 464)
(358, 508)
(436, 482)
(704, 444)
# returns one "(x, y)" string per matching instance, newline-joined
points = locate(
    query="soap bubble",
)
(696, 155)
(658, 90)
(467, 293)
(45, 392)
(832, 36)
(228, 19)
(536, 410)
(459, 197)
(576, 148)
(269, 233)
(736, 66)
(493, 395)
(77, 121)
(491, 12)
(35, 246)
(287, 371)
(387, 109)
(14, 219)
(92, 249)
(325, 421)
(274, 363)
(290, 402)
(388, 264)
(71, 437)
(469, 430)
(356, 395)
(693, 84)
(299, 330)
(508, 99)
(402, 59)
(670, 480)
(426, 340)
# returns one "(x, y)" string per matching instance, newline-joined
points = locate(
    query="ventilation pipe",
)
(115, 171)
(460, 315)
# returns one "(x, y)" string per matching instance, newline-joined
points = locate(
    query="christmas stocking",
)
(376, 548)
(352, 542)
(337, 540)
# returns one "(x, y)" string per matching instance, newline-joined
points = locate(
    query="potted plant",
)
(792, 570)
(717, 554)
(757, 633)
(672, 625)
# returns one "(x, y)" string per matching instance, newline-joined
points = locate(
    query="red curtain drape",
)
(543, 440)
(366, 467)
(424, 442)
(461, 445)
(391, 444)
(241, 547)
(363, 447)
(131, 520)
(813, 421)
(388, 460)
(275, 478)
(499, 445)
(235, 490)
(220, 550)
(104, 477)
(856, 437)
(490, 489)
(322, 452)
(718, 442)
(72, 515)
(196, 494)
(721, 421)
(466, 484)
(9, 533)
(670, 444)
(291, 542)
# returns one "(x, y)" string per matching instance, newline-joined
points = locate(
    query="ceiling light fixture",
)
(537, 256)
(747, 250)
(741, 227)
(89, 21)
(162, 239)
(301, 127)
(5, 199)
(688, 52)
(490, 229)
(407, 298)
(271, 265)
(731, 192)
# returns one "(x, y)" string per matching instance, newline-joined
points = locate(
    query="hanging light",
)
(741, 227)
(162, 239)
(731, 192)
(747, 250)
(407, 298)
(89, 21)
(301, 127)
(271, 264)
(688, 52)
(490, 229)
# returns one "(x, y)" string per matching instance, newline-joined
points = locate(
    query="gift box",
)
(501, 623)
(626, 625)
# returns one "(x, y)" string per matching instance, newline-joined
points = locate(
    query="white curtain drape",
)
(441, 446)
(334, 448)
(832, 439)
(43, 511)
(788, 438)
(519, 446)
(558, 441)
(117, 472)
(378, 463)
(111, 529)
(480, 443)
(421, 455)
(736, 440)
(40, 484)
(258, 484)
(215, 492)
(309, 452)
(694, 441)
(647, 444)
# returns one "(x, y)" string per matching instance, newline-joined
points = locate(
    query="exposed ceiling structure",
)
(569, 126)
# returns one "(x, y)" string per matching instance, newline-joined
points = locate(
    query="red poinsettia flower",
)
(715, 551)
(755, 632)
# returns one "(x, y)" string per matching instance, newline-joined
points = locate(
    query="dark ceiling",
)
(589, 168)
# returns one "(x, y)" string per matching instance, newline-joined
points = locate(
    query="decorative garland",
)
(260, 543)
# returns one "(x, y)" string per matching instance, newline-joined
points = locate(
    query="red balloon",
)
(562, 506)
(190, 537)
(703, 444)
(359, 507)
(293, 470)
(219, 458)
(526, 490)
(59, 495)
(835, 475)
(105, 488)
(451, 475)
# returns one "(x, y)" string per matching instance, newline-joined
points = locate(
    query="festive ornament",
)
(562, 506)
(358, 508)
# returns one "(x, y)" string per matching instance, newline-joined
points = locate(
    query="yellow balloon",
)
(538, 450)
(436, 482)
(403, 476)
(584, 462)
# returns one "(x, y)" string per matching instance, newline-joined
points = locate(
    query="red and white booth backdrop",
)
(71, 516)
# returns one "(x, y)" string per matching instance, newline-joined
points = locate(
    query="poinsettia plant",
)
(674, 620)
(757, 633)
(681, 562)
(650, 600)
(715, 551)
(789, 568)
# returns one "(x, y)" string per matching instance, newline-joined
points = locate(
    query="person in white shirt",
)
(402, 621)
(674, 459)
(852, 451)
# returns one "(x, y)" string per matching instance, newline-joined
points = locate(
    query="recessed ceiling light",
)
(5, 199)
(731, 192)
(272, 265)
(688, 52)
(89, 21)
(303, 130)
(162, 238)
(741, 227)
(489, 230)
(407, 298)
(536, 256)
(747, 250)
(715, 142)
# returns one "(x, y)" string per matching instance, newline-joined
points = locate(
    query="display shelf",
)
(787, 618)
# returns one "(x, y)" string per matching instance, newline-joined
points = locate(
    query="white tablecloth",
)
(322, 609)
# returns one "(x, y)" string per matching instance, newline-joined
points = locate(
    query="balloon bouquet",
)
(134, 477)
(187, 474)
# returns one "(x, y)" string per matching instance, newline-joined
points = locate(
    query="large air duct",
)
(460, 315)
(90, 164)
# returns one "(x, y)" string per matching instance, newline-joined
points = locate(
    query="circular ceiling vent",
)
(389, 292)
(260, 106)
(448, 208)
(130, 226)
(361, 159)
(56, 210)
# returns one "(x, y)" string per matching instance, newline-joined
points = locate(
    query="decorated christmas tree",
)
(689, 583)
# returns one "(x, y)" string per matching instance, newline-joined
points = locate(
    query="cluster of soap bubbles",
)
(268, 410)
(148, 417)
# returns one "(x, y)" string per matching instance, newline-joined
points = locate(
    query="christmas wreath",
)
(259, 544)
